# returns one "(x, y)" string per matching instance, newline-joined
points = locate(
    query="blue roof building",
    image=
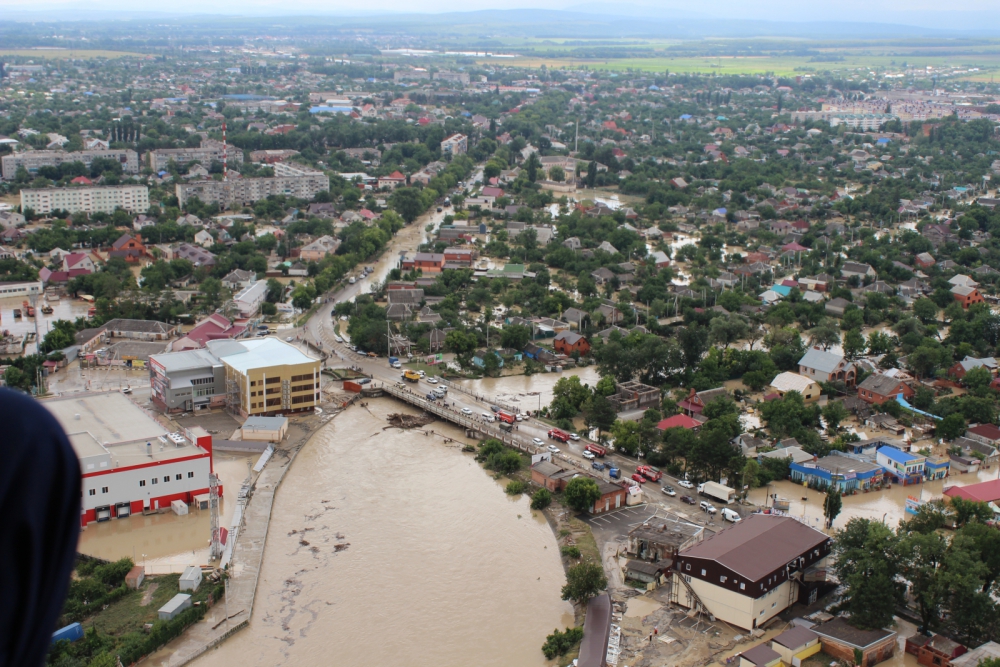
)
(845, 473)
(907, 468)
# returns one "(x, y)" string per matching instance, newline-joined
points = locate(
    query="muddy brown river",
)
(394, 548)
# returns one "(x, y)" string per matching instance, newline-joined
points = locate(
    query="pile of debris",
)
(409, 421)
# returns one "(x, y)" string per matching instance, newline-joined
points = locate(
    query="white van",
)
(488, 417)
(730, 515)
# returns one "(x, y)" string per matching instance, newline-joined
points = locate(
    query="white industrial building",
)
(129, 461)
(249, 299)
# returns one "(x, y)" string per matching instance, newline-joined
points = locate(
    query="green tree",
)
(925, 309)
(541, 499)
(581, 493)
(515, 337)
(834, 413)
(408, 203)
(599, 413)
(951, 426)
(832, 504)
(211, 289)
(460, 342)
(825, 335)
(531, 167)
(868, 565)
(557, 174)
(967, 511)
(584, 581)
(854, 344)
(922, 557)
(626, 435)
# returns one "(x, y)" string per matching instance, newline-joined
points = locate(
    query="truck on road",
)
(596, 450)
(561, 436)
(716, 491)
(411, 376)
(650, 473)
(505, 416)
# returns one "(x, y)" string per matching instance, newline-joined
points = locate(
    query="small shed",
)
(135, 577)
(191, 578)
(174, 607)
(268, 429)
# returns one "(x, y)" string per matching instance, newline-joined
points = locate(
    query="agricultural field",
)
(65, 54)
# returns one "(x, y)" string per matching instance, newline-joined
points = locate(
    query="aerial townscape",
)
(585, 336)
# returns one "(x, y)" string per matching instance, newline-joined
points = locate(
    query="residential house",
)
(194, 254)
(204, 239)
(796, 642)
(237, 279)
(857, 269)
(78, 261)
(320, 248)
(568, 342)
(213, 327)
(602, 276)
(678, 421)
(392, 181)
(428, 262)
(633, 395)
(878, 389)
(966, 295)
(575, 316)
(960, 368)
(761, 655)
(981, 492)
(787, 381)
(609, 313)
(695, 402)
(825, 366)
(129, 248)
(988, 434)
(987, 651)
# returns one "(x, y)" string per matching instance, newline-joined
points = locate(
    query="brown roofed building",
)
(880, 388)
(612, 497)
(551, 476)
(748, 573)
(936, 651)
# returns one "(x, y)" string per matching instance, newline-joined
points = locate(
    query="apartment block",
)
(99, 199)
(32, 161)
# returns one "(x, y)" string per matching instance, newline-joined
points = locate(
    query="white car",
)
(574, 436)
(553, 449)
(537, 441)
(421, 373)
(589, 455)
(518, 417)
(686, 484)
(708, 507)
(466, 411)
(668, 490)
(397, 365)
(290, 339)
(432, 380)
(338, 339)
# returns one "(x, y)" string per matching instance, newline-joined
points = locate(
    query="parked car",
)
(589, 456)
(688, 500)
(290, 339)
(639, 478)
(669, 490)
(466, 411)
(495, 408)
(518, 417)
(537, 441)
(363, 380)
(707, 507)
(597, 465)
(574, 436)
(686, 484)
(553, 449)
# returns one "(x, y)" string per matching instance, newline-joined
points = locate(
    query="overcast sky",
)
(953, 14)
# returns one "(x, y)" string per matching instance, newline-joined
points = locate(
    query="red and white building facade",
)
(131, 475)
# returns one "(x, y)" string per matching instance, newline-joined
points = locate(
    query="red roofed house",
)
(392, 181)
(129, 248)
(82, 180)
(967, 295)
(492, 192)
(984, 492)
(78, 261)
(988, 434)
(213, 327)
(679, 421)
(429, 262)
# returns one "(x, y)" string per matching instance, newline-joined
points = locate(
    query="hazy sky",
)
(953, 14)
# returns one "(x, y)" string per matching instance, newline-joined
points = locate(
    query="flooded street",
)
(66, 308)
(524, 391)
(393, 548)
(887, 503)
(163, 541)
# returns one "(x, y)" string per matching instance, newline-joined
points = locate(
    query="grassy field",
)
(65, 54)
(129, 614)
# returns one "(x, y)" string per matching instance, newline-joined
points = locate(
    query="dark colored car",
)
(597, 465)
(689, 500)
(495, 408)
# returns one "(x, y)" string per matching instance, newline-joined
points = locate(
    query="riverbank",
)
(397, 551)
(248, 553)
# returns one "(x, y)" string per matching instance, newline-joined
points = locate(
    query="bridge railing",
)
(465, 421)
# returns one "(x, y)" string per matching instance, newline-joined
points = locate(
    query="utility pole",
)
(576, 141)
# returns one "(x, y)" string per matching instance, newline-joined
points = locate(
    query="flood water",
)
(163, 541)
(527, 392)
(393, 548)
(66, 308)
(889, 504)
